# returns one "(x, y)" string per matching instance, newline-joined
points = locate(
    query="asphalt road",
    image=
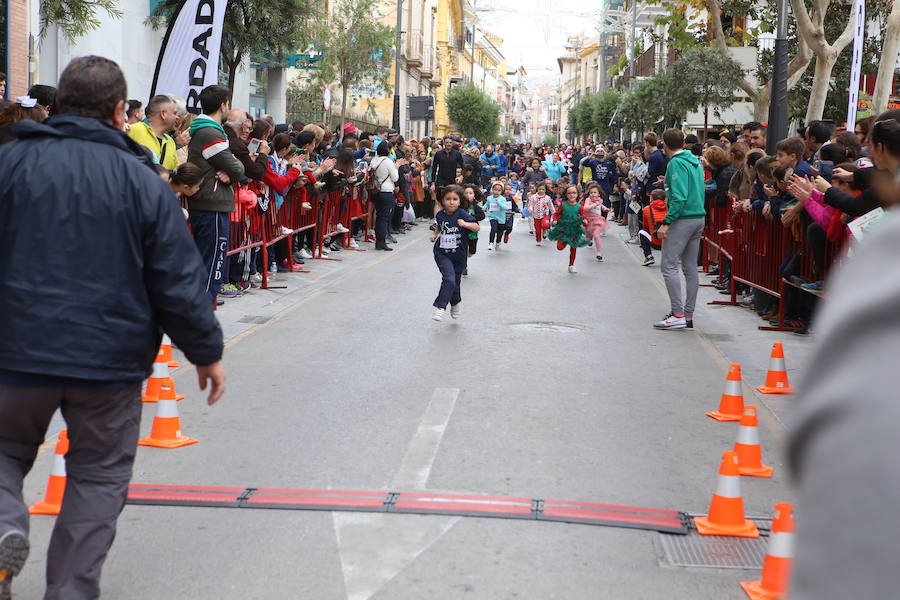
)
(551, 385)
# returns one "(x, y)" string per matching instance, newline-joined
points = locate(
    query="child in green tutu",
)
(568, 228)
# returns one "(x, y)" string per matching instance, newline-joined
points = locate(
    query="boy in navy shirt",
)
(450, 249)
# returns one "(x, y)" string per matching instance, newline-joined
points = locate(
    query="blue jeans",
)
(451, 274)
(211, 236)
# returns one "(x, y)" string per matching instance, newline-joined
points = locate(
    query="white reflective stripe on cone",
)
(167, 409)
(733, 388)
(729, 486)
(777, 364)
(160, 369)
(781, 545)
(59, 466)
(748, 436)
(166, 341)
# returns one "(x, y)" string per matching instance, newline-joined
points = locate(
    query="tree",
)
(473, 112)
(709, 78)
(812, 30)
(686, 33)
(604, 108)
(355, 47)
(888, 64)
(637, 107)
(74, 17)
(268, 29)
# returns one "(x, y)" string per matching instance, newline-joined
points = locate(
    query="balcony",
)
(429, 63)
(414, 50)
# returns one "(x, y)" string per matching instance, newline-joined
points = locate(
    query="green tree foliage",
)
(638, 108)
(709, 79)
(603, 110)
(356, 48)
(264, 29)
(75, 17)
(473, 112)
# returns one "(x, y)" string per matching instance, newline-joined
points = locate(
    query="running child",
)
(541, 208)
(472, 199)
(495, 206)
(597, 224)
(568, 229)
(450, 250)
(510, 212)
(532, 189)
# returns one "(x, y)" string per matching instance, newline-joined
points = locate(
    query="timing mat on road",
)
(420, 503)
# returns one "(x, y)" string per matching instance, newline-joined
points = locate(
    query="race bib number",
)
(449, 241)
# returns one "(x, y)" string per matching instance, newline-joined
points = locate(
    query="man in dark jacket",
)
(444, 164)
(118, 268)
(210, 208)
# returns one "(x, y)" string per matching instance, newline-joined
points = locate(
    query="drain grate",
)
(718, 552)
(255, 319)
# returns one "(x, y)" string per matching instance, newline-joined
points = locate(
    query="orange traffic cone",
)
(166, 349)
(777, 377)
(747, 447)
(776, 570)
(726, 511)
(159, 378)
(56, 485)
(166, 430)
(731, 406)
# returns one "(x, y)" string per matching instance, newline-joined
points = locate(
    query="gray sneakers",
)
(13, 553)
(670, 321)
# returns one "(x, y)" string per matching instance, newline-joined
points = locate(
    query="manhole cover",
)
(255, 319)
(549, 326)
(695, 550)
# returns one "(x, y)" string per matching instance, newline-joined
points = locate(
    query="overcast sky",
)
(534, 32)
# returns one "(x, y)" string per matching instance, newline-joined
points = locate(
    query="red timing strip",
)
(566, 511)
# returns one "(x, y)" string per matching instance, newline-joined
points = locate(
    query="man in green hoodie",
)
(680, 232)
(209, 208)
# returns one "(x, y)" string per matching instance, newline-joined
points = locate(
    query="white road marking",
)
(415, 468)
(375, 548)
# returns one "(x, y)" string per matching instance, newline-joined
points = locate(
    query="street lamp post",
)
(778, 121)
(395, 122)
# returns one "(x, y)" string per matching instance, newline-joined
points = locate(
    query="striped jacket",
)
(209, 151)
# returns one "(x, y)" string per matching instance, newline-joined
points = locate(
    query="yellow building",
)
(456, 26)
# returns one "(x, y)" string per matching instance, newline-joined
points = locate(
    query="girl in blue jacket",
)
(495, 206)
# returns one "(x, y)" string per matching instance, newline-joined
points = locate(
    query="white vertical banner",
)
(189, 57)
(859, 33)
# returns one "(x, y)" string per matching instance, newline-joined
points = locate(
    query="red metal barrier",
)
(759, 248)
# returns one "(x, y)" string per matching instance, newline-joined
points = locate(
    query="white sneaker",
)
(454, 310)
(438, 314)
(342, 229)
(671, 322)
(256, 278)
(286, 231)
(325, 250)
(537, 243)
(353, 243)
(304, 253)
(490, 247)
(306, 206)
(572, 269)
(497, 246)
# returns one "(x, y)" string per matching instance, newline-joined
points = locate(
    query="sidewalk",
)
(734, 333)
